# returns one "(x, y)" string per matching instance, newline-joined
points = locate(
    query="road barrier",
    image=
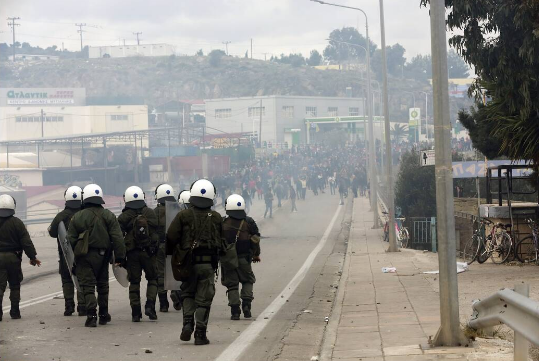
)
(514, 309)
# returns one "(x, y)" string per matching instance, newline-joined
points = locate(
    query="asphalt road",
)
(294, 249)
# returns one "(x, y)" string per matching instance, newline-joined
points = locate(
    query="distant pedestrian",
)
(293, 196)
(268, 198)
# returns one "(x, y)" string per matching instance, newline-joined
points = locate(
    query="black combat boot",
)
(69, 307)
(81, 310)
(149, 310)
(15, 312)
(1, 313)
(246, 306)
(91, 319)
(235, 312)
(200, 337)
(176, 301)
(136, 313)
(163, 302)
(104, 316)
(188, 327)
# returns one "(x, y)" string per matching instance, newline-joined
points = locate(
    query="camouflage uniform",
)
(246, 250)
(140, 259)
(93, 268)
(14, 239)
(205, 227)
(68, 287)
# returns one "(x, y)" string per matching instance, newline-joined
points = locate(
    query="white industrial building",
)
(52, 113)
(285, 119)
(124, 51)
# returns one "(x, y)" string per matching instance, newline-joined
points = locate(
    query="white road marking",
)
(41, 299)
(247, 337)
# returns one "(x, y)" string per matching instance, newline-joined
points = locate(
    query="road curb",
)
(330, 333)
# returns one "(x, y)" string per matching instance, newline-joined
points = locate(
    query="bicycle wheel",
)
(525, 250)
(471, 250)
(502, 248)
(405, 237)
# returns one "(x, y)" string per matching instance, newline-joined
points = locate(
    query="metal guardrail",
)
(514, 309)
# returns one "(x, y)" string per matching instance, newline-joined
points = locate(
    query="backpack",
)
(141, 231)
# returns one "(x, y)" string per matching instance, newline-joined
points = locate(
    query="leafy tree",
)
(339, 52)
(395, 61)
(315, 58)
(415, 189)
(246, 54)
(199, 52)
(296, 60)
(419, 68)
(456, 66)
(500, 40)
(215, 57)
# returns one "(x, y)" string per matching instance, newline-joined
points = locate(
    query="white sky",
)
(276, 26)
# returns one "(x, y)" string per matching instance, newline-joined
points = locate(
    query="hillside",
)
(158, 80)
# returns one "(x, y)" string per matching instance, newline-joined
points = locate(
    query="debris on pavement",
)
(389, 269)
(461, 267)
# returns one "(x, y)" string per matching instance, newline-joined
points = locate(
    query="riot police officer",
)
(139, 226)
(241, 230)
(73, 203)
(94, 233)
(183, 199)
(163, 193)
(14, 240)
(195, 238)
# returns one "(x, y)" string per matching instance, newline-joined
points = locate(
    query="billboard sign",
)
(42, 96)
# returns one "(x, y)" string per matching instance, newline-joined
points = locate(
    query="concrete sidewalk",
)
(389, 316)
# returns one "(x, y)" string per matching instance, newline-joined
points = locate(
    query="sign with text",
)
(415, 115)
(42, 96)
(479, 169)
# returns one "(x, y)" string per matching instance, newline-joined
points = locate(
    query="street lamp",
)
(372, 164)
(426, 114)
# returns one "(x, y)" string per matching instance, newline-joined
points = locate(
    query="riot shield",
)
(69, 256)
(120, 273)
(172, 209)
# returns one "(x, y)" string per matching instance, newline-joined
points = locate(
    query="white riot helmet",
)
(73, 197)
(163, 193)
(202, 193)
(92, 193)
(235, 206)
(184, 196)
(134, 197)
(7, 205)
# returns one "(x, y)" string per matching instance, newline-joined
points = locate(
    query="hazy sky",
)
(276, 26)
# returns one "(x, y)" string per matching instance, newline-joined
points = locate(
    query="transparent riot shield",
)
(69, 256)
(172, 209)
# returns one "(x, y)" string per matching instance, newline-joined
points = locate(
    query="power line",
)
(13, 24)
(226, 45)
(137, 34)
(80, 31)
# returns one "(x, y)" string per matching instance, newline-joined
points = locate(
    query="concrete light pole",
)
(450, 333)
(372, 155)
(389, 163)
(426, 115)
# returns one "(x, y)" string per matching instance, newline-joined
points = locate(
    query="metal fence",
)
(422, 233)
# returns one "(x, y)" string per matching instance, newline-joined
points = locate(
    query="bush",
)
(215, 57)
(415, 190)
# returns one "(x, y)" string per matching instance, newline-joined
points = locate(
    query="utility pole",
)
(260, 127)
(42, 120)
(450, 333)
(137, 34)
(265, 56)
(13, 24)
(226, 45)
(389, 159)
(80, 31)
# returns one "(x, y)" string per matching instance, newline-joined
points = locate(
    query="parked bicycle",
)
(527, 249)
(497, 245)
(402, 233)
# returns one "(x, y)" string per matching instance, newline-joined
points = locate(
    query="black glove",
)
(120, 261)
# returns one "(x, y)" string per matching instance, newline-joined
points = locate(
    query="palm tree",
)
(398, 132)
